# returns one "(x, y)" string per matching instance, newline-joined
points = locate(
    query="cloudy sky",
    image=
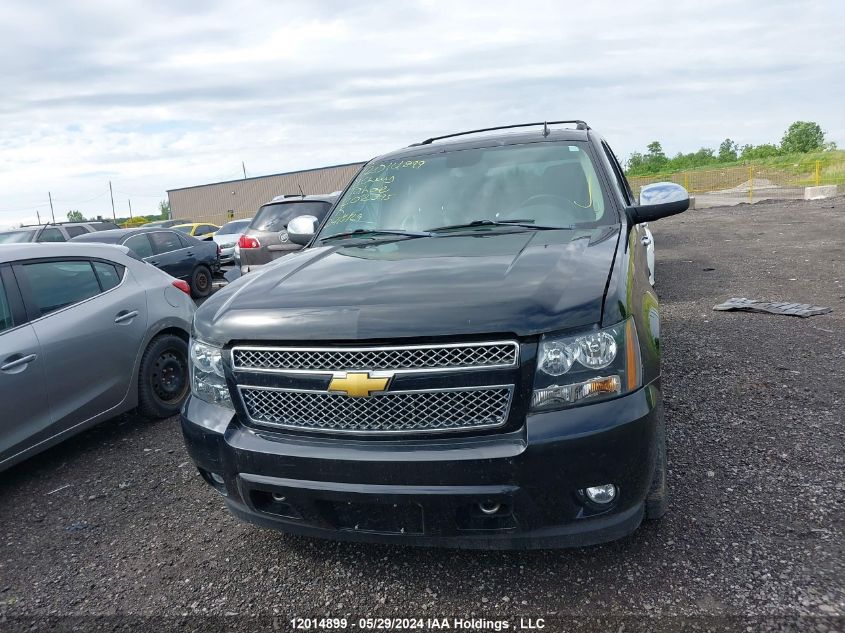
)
(157, 95)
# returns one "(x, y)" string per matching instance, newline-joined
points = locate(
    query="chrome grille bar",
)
(399, 359)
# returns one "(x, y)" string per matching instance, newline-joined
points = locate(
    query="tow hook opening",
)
(215, 480)
(489, 507)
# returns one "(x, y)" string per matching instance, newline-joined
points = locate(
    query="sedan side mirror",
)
(302, 228)
(659, 200)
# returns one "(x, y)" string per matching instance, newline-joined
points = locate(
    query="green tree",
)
(164, 208)
(728, 151)
(764, 150)
(655, 152)
(636, 163)
(75, 216)
(802, 137)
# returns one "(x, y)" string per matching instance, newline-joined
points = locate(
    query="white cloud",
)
(160, 95)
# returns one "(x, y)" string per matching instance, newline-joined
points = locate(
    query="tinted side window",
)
(204, 229)
(51, 234)
(165, 241)
(109, 274)
(140, 245)
(5, 310)
(58, 284)
(73, 231)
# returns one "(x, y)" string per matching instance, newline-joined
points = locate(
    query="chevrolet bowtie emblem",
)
(358, 385)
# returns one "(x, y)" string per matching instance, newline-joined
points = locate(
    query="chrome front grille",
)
(415, 358)
(390, 412)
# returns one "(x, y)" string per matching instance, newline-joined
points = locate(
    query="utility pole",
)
(243, 166)
(111, 193)
(130, 209)
(50, 195)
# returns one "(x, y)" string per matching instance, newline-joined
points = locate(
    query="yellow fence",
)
(752, 183)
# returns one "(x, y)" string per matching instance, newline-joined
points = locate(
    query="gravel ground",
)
(117, 521)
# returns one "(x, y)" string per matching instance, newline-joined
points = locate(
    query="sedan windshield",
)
(548, 185)
(13, 237)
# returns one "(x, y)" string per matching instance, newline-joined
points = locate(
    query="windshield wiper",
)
(367, 232)
(526, 224)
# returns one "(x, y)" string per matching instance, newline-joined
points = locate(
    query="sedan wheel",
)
(201, 282)
(163, 381)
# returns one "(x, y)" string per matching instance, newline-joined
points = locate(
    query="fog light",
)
(601, 494)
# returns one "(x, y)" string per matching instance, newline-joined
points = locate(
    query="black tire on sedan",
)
(201, 282)
(163, 379)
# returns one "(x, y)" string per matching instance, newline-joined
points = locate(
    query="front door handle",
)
(17, 363)
(122, 317)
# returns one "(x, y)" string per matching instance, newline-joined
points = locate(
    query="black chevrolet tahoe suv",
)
(467, 353)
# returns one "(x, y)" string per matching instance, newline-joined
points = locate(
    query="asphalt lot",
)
(117, 521)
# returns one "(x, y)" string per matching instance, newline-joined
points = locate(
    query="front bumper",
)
(227, 255)
(427, 492)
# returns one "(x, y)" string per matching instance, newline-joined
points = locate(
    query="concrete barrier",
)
(816, 193)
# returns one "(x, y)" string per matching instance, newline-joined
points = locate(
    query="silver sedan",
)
(87, 331)
(227, 237)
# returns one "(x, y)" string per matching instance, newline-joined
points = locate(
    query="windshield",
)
(233, 227)
(13, 237)
(275, 217)
(547, 184)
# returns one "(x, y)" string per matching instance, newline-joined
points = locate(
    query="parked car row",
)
(53, 232)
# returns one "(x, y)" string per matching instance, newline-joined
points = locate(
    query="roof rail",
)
(49, 223)
(579, 125)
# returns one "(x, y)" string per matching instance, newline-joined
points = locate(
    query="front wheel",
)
(201, 282)
(163, 379)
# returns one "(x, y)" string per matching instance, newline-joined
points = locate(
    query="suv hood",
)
(484, 282)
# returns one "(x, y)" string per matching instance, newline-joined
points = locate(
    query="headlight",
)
(207, 379)
(592, 366)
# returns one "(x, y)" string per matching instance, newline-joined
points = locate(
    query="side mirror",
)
(302, 228)
(659, 200)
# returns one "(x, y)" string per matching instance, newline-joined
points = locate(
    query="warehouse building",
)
(222, 201)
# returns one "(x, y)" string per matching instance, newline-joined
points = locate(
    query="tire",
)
(163, 382)
(201, 282)
(657, 501)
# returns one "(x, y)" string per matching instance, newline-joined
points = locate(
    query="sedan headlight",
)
(592, 366)
(208, 381)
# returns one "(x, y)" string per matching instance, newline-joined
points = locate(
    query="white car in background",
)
(227, 238)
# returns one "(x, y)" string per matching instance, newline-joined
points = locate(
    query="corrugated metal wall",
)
(212, 203)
